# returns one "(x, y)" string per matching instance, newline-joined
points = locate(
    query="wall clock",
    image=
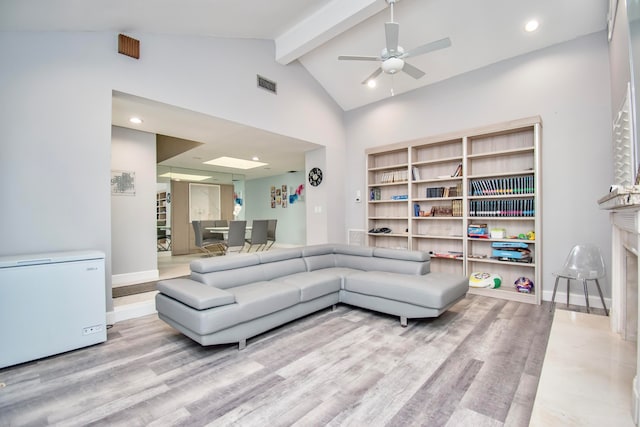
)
(315, 176)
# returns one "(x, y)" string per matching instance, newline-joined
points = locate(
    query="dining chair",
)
(163, 240)
(258, 234)
(271, 232)
(584, 263)
(236, 235)
(205, 240)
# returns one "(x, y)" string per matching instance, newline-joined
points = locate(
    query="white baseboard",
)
(131, 311)
(635, 401)
(576, 299)
(135, 277)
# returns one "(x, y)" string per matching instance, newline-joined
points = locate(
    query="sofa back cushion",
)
(281, 263)
(317, 257)
(225, 279)
(207, 265)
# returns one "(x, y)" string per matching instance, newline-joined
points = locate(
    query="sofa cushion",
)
(262, 298)
(318, 262)
(401, 254)
(317, 250)
(195, 294)
(362, 251)
(273, 270)
(226, 279)
(206, 265)
(279, 255)
(434, 290)
(313, 284)
(365, 263)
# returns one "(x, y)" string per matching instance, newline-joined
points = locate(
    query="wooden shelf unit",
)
(161, 207)
(501, 161)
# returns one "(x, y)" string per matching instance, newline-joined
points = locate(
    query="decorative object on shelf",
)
(384, 230)
(524, 285)
(315, 176)
(498, 233)
(485, 280)
(511, 251)
(478, 230)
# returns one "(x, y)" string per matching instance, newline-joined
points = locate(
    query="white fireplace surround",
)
(625, 238)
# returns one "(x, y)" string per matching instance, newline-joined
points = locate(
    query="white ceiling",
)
(315, 32)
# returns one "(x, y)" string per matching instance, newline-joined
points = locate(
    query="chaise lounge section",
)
(230, 299)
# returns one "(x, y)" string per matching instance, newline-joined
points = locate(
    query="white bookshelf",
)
(504, 158)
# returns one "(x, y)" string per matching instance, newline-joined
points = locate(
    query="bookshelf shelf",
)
(499, 153)
(499, 160)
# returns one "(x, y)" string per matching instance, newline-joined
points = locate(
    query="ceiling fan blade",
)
(429, 47)
(373, 75)
(414, 72)
(391, 31)
(358, 58)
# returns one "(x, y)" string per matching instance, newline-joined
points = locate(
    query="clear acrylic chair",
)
(584, 263)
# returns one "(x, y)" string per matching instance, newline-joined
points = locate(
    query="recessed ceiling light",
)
(531, 26)
(255, 158)
(185, 176)
(232, 162)
(371, 83)
(135, 120)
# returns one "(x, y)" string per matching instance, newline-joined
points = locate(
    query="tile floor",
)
(587, 374)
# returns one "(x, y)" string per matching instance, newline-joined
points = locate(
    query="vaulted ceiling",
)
(316, 32)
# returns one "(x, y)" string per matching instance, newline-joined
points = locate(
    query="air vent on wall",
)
(267, 84)
(128, 46)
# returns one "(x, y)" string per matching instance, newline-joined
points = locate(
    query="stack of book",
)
(511, 251)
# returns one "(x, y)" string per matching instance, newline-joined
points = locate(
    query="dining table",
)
(225, 230)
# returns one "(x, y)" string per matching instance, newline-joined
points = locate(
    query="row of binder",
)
(503, 186)
(502, 208)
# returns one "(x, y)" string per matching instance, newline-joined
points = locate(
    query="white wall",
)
(292, 227)
(55, 122)
(133, 218)
(567, 85)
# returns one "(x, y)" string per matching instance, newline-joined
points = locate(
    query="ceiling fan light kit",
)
(393, 56)
(392, 65)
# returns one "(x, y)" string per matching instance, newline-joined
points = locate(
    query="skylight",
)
(232, 162)
(184, 176)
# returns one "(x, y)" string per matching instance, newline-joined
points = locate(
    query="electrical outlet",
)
(92, 329)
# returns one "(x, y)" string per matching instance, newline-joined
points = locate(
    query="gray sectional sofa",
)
(230, 299)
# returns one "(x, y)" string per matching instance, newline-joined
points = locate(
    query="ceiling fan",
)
(393, 56)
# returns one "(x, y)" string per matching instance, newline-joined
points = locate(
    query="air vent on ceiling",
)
(267, 84)
(128, 46)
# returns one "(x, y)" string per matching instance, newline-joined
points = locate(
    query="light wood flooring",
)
(476, 365)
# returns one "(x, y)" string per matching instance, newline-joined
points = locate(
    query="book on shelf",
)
(502, 208)
(454, 191)
(458, 171)
(456, 206)
(441, 211)
(374, 194)
(415, 173)
(503, 186)
(399, 175)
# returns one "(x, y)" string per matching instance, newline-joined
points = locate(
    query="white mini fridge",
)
(50, 303)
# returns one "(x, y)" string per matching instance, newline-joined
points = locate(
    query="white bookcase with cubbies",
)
(424, 195)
